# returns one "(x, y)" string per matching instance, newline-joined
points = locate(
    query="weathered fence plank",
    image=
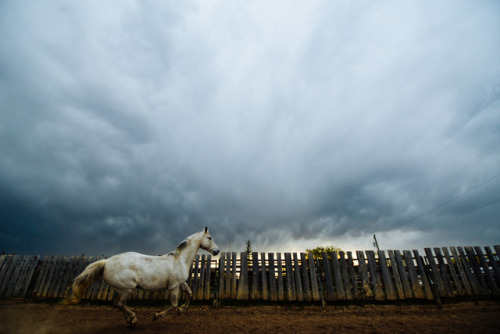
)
(24, 278)
(2, 260)
(469, 271)
(243, 283)
(337, 277)
(41, 274)
(363, 273)
(50, 273)
(328, 276)
(352, 275)
(305, 277)
(390, 292)
(263, 271)
(436, 275)
(497, 249)
(195, 274)
(201, 280)
(423, 276)
(3, 268)
(298, 282)
(455, 275)
(281, 292)
(14, 270)
(474, 264)
(396, 275)
(65, 278)
(223, 275)
(60, 288)
(290, 285)
(345, 276)
(272, 278)
(3, 273)
(14, 276)
(490, 282)
(418, 292)
(404, 275)
(375, 278)
(448, 292)
(255, 276)
(462, 273)
(9, 266)
(233, 276)
(28, 280)
(208, 278)
(492, 261)
(314, 279)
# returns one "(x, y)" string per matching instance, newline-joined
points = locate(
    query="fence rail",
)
(361, 275)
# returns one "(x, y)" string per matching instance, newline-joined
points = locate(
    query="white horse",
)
(127, 271)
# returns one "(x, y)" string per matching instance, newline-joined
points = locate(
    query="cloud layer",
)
(129, 125)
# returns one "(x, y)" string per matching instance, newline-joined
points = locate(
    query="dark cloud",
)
(129, 126)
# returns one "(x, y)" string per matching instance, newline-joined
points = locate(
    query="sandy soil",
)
(462, 317)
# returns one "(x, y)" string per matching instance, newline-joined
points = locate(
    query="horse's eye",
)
(209, 238)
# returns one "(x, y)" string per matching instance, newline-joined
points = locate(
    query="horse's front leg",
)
(187, 290)
(174, 300)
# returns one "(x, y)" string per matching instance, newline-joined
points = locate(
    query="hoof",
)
(132, 321)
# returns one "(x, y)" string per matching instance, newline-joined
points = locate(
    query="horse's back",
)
(131, 269)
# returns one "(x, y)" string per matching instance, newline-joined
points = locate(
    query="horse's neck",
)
(187, 254)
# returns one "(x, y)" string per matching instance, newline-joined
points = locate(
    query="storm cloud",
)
(128, 125)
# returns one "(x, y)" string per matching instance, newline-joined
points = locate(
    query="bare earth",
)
(462, 317)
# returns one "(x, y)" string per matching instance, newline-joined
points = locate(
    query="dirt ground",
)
(457, 317)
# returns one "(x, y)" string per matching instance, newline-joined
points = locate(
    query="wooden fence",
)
(383, 275)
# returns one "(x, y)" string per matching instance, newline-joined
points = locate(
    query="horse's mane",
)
(181, 246)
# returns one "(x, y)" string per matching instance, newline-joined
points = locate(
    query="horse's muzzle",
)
(215, 252)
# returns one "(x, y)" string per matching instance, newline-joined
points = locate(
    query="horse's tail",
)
(92, 273)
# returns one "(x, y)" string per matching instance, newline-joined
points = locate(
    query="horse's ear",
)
(206, 229)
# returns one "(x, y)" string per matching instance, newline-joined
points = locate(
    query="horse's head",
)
(208, 244)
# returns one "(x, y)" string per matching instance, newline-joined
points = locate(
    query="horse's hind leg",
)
(119, 303)
(189, 293)
(174, 300)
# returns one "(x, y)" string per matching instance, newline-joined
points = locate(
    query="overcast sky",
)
(128, 125)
